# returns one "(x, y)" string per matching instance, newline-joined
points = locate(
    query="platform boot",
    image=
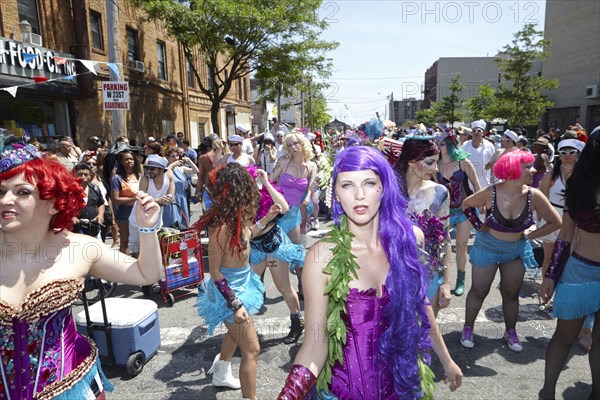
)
(222, 376)
(295, 330)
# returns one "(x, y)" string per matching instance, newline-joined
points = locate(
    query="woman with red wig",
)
(43, 270)
(501, 243)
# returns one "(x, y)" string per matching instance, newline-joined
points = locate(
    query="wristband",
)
(298, 383)
(471, 214)
(233, 302)
(151, 229)
(260, 226)
(560, 255)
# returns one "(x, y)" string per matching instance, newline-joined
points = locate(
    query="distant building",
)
(404, 110)
(263, 112)
(573, 28)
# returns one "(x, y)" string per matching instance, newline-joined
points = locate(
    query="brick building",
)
(164, 96)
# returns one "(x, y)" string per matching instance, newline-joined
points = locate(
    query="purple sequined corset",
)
(39, 343)
(363, 375)
(455, 187)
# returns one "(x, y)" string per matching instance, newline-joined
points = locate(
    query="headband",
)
(15, 154)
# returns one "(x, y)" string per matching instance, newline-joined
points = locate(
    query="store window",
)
(28, 11)
(42, 120)
(96, 28)
(162, 60)
(132, 45)
(191, 78)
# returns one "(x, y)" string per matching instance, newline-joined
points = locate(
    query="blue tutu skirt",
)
(247, 287)
(488, 251)
(290, 219)
(578, 290)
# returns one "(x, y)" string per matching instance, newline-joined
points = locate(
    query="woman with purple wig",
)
(365, 291)
(502, 243)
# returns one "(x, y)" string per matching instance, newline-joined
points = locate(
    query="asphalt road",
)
(491, 370)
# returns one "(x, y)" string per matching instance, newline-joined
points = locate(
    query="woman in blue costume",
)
(43, 270)
(502, 243)
(180, 165)
(428, 209)
(273, 248)
(370, 290)
(233, 291)
(577, 274)
(456, 173)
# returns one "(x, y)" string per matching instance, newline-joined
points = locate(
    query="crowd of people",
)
(374, 285)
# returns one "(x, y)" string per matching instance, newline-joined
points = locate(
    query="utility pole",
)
(112, 19)
(310, 104)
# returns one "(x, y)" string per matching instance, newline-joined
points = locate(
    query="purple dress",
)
(363, 374)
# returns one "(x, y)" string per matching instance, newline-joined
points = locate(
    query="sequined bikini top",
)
(498, 222)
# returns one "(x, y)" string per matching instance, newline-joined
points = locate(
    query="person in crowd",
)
(206, 163)
(66, 153)
(481, 152)
(502, 243)
(265, 154)
(189, 152)
(465, 134)
(153, 147)
(375, 274)
(234, 143)
(541, 151)
(124, 186)
(458, 175)
(273, 248)
(39, 199)
(233, 292)
(508, 141)
(178, 214)
(93, 144)
(522, 144)
(110, 224)
(279, 145)
(428, 208)
(179, 138)
(574, 269)
(294, 175)
(91, 217)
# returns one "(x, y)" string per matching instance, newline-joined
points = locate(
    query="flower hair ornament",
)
(14, 152)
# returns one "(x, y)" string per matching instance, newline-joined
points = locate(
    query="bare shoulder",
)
(318, 255)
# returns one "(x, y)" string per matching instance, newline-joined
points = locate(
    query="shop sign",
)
(115, 95)
(49, 63)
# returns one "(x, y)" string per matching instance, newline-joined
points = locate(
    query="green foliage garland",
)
(342, 267)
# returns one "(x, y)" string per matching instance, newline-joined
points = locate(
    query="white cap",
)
(235, 138)
(280, 133)
(574, 143)
(512, 135)
(268, 136)
(478, 124)
(241, 129)
(151, 139)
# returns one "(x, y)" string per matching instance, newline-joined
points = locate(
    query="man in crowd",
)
(481, 152)
(66, 153)
(91, 217)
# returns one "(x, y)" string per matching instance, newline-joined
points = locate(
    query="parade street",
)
(491, 370)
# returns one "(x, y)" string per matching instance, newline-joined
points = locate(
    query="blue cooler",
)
(135, 331)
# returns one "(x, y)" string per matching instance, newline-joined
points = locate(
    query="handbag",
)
(268, 242)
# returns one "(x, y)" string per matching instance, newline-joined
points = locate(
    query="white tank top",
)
(243, 160)
(556, 194)
(156, 193)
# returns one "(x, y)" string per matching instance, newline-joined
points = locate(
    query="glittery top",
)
(42, 353)
(498, 222)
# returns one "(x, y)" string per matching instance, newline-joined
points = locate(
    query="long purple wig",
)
(408, 333)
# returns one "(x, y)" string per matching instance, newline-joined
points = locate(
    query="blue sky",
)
(386, 46)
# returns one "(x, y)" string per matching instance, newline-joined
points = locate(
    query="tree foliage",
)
(318, 110)
(429, 116)
(234, 38)
(523, 102)
(484, 105)
(450, 105)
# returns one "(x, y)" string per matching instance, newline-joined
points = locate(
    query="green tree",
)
(523, 102)
(317, 111)
(234, 38)
(484, 105)
(429, 116)
(449, 106)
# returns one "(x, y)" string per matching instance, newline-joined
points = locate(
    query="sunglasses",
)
(477, 130)
(234, 144)
(92, 164)
(568, 152)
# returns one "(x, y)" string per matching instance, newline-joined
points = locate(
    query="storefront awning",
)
(45, 89)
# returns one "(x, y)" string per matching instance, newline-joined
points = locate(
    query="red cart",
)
(182, 263)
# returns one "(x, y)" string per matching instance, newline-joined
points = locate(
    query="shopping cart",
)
(182, 263)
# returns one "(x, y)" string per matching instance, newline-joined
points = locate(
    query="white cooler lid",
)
(120, 312)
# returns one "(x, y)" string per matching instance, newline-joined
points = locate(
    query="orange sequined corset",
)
(42, 354)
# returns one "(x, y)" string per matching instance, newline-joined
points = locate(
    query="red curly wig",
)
(53, 181)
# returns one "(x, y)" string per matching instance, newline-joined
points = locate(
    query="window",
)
(132, 45)
(162, 60)
(210, 71)
(28, 11)
(190, 74)
(96, 28)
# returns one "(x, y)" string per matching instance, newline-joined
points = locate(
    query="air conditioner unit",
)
(591, 92)
(32, 38)
(136, 66)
